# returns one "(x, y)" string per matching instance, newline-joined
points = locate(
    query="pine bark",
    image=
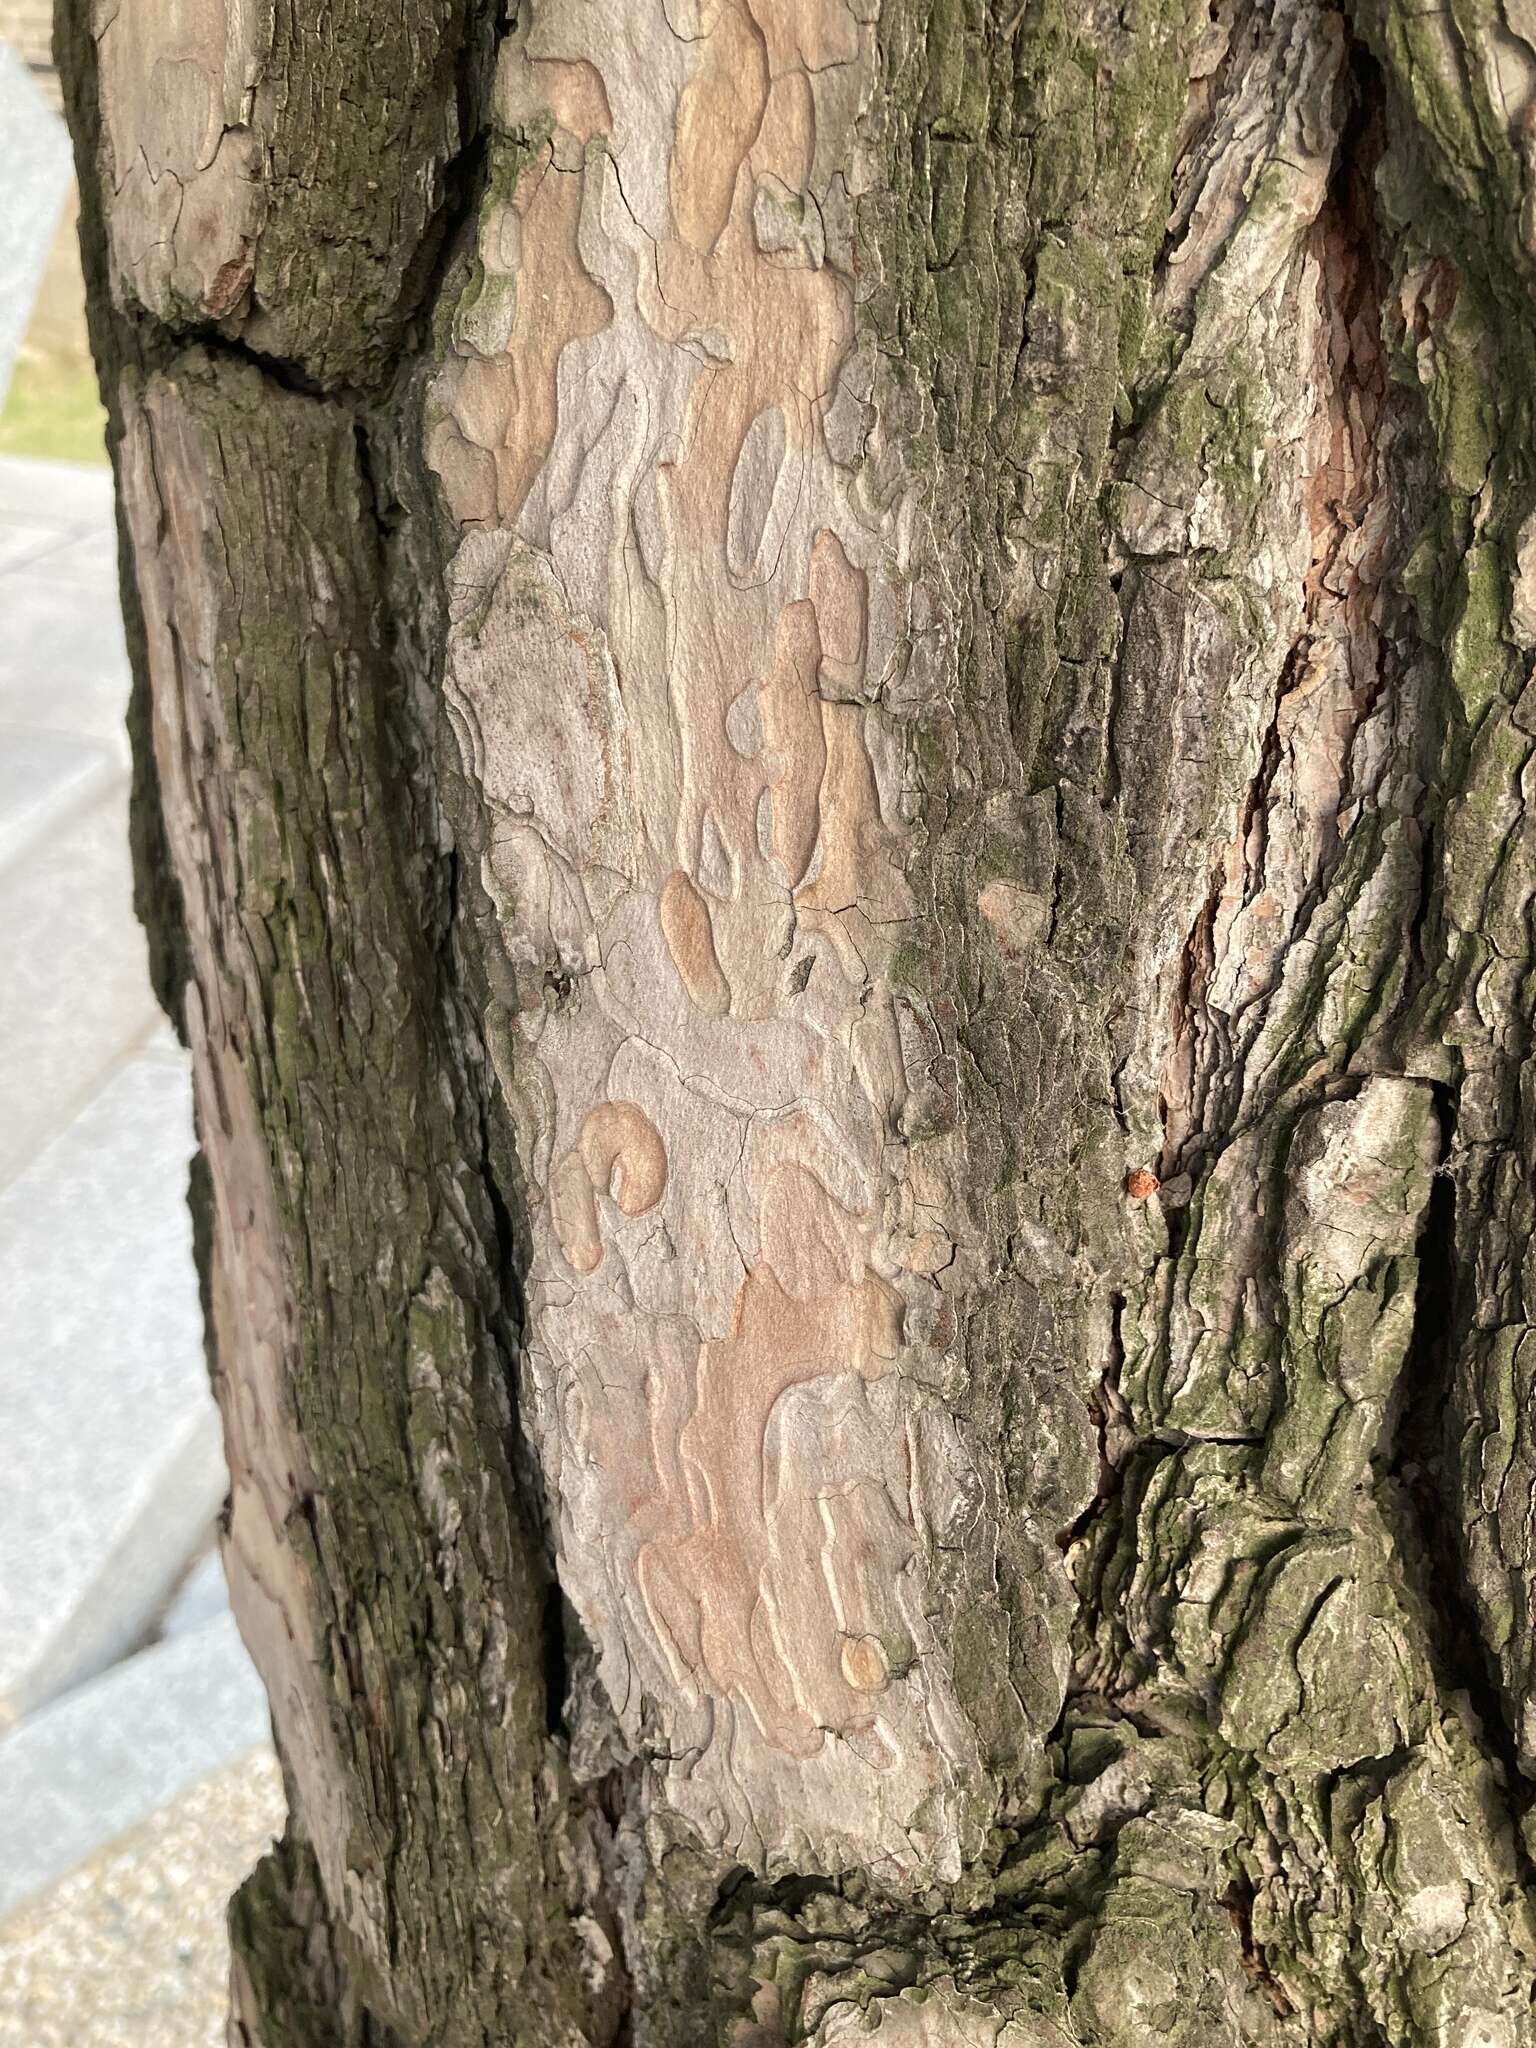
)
(832, 722)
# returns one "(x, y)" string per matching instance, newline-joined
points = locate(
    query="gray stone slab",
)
(74, 997)
(130, 1949)
(86, 559)
(24, 542)
(63, 663)
(57, 521)
(105, 1409)
(101, 1761)
(43, 776)
(34, 178)
(200, 1598)
(68, 494)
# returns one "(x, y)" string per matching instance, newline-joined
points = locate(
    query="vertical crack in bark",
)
(1417, 1458)
(1219, 1013)
(1111, 1421)
(1238, 1899)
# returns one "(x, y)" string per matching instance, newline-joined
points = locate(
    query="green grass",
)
(53, 410)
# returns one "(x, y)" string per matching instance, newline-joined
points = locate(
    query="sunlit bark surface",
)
(832, 732)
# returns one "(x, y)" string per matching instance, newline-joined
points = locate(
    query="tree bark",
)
(833, 715)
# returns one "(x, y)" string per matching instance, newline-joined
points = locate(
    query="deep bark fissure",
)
(509, 1318)
(1337, 603)
(1416, 1459)
(1109, 1420)
(1238, 1900)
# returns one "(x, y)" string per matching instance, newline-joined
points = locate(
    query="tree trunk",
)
(833, 731)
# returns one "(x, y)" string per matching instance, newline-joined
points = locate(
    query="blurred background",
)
(137, 1785)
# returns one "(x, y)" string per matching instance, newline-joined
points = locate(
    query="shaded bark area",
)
(351, 1215)
(832, 728)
